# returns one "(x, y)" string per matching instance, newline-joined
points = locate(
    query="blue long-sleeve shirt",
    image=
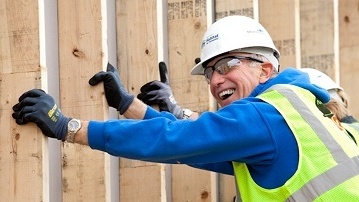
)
(248, 131)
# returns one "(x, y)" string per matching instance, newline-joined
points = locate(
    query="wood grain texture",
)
(137, 54)
(21, 147)
(317, 35)
(280, 24)
(186, 26)
(349, 51)
(80, 57)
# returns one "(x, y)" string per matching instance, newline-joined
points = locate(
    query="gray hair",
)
(261, 58)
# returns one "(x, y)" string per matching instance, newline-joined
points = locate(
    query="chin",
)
(224, 103)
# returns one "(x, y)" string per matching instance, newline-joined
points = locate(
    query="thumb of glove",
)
(102, 75)
(97, 78)
(163, 73)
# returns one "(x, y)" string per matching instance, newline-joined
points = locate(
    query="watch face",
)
(73, 125)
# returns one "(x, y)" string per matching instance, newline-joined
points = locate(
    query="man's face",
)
(237, 81)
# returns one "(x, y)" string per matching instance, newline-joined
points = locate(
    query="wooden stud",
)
(317, 35)
(137, 55)
(21, 147)
(348, 51)
(81, 56)
(280, 24)
(186, 25)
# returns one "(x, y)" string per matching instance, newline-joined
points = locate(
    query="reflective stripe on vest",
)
(330, 178)
(345, 160)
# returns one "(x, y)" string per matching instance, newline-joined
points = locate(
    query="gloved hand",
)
(40, 108)
(116, 95)
(160, 93)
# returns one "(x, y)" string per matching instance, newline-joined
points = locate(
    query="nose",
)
(217, 79)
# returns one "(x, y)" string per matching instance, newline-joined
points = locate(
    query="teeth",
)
(226, 93)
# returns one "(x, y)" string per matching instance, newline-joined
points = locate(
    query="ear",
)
(267, 72)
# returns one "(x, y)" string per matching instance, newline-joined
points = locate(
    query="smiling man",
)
(269, 133)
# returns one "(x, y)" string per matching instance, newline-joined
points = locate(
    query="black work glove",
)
(40, 108)
(116, 95)
(160, 93)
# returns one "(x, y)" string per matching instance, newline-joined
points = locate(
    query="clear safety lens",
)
(224, 65)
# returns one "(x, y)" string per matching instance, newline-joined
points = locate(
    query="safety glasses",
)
(224, 65)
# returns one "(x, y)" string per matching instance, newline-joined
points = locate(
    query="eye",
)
(226, 66)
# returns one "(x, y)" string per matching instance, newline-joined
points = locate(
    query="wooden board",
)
(280, 24)
(137, 54)
(186, 26)
(21, 150)
(233, 7)
(317, 35)
(21, 147)
(80, 57)
(137, 43)
(134, 179)
(227, 188)
(190, 184)
(349, 51)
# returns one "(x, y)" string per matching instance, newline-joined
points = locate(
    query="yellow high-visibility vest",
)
(328, 167)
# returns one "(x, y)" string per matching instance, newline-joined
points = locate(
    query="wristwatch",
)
(187, 113)
(73, 126)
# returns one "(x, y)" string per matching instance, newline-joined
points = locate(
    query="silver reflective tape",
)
(326, 181)
(315, 124)
(347, 167)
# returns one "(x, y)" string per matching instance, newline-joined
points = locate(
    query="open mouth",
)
(226, 94)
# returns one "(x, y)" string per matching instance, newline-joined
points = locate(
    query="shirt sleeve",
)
(220, 167)
(152, 113)
(230, 134)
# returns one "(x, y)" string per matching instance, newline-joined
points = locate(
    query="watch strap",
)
(187, 113)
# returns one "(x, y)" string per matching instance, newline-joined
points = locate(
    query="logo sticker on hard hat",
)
(255, 31)
(209, 39)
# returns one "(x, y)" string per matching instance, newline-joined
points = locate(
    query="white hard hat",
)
(236, 33)
(320, 79)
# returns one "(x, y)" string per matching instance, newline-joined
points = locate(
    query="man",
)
(160, 93)
(268, 133)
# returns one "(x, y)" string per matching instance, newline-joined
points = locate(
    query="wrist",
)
(136, 110)
(81, 136)
(187, 113)
(125, 103)
(73, 126)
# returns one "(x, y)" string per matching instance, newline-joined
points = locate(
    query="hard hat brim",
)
(198, 69)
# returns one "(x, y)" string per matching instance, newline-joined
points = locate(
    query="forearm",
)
(136, 110)
(194, 116)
